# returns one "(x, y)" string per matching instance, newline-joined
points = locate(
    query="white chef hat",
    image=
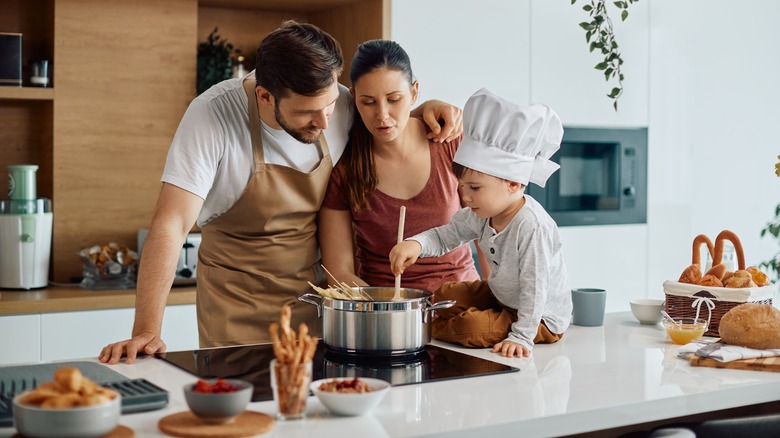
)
(509, 141)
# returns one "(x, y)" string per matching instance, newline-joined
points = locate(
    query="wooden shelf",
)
(26, 93)
(71, 299)
(301, 6)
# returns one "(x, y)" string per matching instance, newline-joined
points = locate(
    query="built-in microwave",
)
(602, 179)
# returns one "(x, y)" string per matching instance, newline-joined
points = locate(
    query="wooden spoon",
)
(401, 219)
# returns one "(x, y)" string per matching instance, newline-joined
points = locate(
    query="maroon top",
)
(376, 228)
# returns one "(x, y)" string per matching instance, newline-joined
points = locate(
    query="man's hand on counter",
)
(143, 344)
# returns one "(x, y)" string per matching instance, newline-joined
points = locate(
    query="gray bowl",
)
(219, 408)
(82, 422)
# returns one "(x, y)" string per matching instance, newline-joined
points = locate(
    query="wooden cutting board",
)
(759, 364)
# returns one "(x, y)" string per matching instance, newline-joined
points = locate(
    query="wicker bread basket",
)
(686, 300)
(683, 300)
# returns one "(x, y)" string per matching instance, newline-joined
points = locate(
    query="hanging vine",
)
(600, 35)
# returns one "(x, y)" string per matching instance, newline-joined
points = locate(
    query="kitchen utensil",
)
(81, 422)
(218, 407)
(401, 219)
(290, 385)
(247, 423)
(588, 306)
(383, 326)
(685, 330)
(757, 364)
(39, 73)
(351, 404)
(647, 311)
(252, 363)
(668, 317)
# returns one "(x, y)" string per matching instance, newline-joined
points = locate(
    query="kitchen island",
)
(607, 379)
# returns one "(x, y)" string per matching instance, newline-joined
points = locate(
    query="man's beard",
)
(302, 135)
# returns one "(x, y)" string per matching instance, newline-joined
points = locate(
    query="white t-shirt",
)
(211, 153)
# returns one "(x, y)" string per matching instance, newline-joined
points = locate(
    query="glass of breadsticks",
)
(292, 368)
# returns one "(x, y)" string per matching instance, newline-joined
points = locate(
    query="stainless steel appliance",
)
(381, 327)
(252, 363)
(187, 267)
(602, 179)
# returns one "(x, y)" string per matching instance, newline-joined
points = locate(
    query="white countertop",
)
(596, 378)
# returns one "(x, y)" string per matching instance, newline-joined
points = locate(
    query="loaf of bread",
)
(751, 325)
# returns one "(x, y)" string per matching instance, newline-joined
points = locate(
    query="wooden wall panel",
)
(243, 28)
(353, 24)
(124, 77)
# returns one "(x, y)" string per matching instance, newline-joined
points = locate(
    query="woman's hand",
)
(404, 255)
(511, 349)
(444, 120)
(143, 343)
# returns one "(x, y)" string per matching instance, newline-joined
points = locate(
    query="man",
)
(250, 163)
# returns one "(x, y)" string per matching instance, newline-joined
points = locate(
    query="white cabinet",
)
(71, 335)
(180, 327)
(20, 339)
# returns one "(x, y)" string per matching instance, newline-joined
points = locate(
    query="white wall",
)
(701, 74)
(452, 57)
(714, 95)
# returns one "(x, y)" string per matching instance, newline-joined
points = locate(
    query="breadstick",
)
(273, 329)
(293, 351)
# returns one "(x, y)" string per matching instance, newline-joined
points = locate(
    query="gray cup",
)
(589, 306)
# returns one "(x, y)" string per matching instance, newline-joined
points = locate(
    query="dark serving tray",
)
(138, 395)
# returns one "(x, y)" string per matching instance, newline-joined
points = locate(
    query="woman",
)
(388, 163)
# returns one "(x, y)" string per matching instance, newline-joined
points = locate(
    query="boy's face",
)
(486, 195)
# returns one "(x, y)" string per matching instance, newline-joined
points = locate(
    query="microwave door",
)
(588, 180)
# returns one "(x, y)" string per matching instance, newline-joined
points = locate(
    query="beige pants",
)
(478, 319)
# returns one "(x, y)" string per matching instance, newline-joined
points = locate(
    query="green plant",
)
(599, 35)
(215, 61)
(773, 228)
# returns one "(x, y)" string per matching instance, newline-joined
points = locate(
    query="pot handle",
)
(437, 306)
(441, 305)
(307, 298)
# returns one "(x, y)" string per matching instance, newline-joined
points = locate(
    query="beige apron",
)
(260, 254)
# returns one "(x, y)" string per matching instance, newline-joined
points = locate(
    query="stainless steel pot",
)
(378, 327)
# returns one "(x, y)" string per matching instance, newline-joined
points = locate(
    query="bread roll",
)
(751, 325)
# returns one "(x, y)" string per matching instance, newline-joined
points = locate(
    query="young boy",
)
(526, 298)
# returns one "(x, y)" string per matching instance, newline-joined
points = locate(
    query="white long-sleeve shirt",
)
(528, 270)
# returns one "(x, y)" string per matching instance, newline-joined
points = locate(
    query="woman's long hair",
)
(360, 176)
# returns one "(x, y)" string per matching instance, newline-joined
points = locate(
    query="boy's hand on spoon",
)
(403, 255)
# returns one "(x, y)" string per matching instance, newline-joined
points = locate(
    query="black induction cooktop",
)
(252, 362)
